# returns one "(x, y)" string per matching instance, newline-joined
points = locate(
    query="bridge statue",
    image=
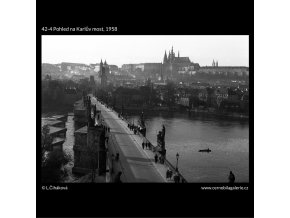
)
(142, 124)
(161, 142)
(163, 132)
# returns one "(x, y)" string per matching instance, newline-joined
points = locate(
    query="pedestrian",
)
(156, 158)
(176, 178)
(118, 178)
(146, 145)
(109, 129)
(170, 174)
(167, 173)
(143, 145)
(117, 156)
(160, 159)
(231, 177)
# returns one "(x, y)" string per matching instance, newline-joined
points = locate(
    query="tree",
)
(46, 141)
(170, 94)
(52, 160)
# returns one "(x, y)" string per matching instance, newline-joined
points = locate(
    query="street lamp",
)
(177, 156)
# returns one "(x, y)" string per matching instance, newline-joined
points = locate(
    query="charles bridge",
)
(111, 149)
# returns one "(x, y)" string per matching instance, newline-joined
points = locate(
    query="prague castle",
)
(171, 66)
(174, 65)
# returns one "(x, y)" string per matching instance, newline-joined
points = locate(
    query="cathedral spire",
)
(101, 66)
(165, 58)
(213, 63)
(178, 53)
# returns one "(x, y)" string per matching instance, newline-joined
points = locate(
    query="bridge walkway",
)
(137, 164)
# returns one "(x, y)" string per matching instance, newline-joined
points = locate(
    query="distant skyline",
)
(228, 50)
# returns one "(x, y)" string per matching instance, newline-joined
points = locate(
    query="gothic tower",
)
(165, 58)
(103, 75)
(172, 54)
(161, 73)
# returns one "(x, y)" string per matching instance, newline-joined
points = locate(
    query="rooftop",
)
(54, 130)
(50, 121)
(59, 117)
(82, 130)
(57, 141)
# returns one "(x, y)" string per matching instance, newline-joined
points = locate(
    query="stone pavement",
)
(138, 165)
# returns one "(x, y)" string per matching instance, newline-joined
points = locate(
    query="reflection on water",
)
(68, 149)
(186, 134)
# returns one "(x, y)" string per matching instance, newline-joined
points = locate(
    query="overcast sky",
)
(124, 49)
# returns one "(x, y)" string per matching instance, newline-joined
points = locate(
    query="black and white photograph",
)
(144, 118)
(145, 109)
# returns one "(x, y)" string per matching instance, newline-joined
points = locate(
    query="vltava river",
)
(228, 140)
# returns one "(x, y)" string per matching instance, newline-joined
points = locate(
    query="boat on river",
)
(205, 150)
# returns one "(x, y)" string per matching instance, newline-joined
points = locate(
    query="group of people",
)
(146, 145)
(107, 129)
(161, 158)
(176, 176)
(134, 128)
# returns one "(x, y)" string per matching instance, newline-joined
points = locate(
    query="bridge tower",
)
(89, 148)
(96, 145)
(103, 74)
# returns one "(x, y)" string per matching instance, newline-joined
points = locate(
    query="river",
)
(227, 138)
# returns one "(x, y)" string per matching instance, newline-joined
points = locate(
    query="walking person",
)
(176, 178)
(149, 146)
(167, 173)
(156, 158)
(117, 157)
(170, 174)
(143, 145)
(231, 178)
(118, 178)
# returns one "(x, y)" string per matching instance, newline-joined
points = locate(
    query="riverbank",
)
(220, 114)
(199, 112)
